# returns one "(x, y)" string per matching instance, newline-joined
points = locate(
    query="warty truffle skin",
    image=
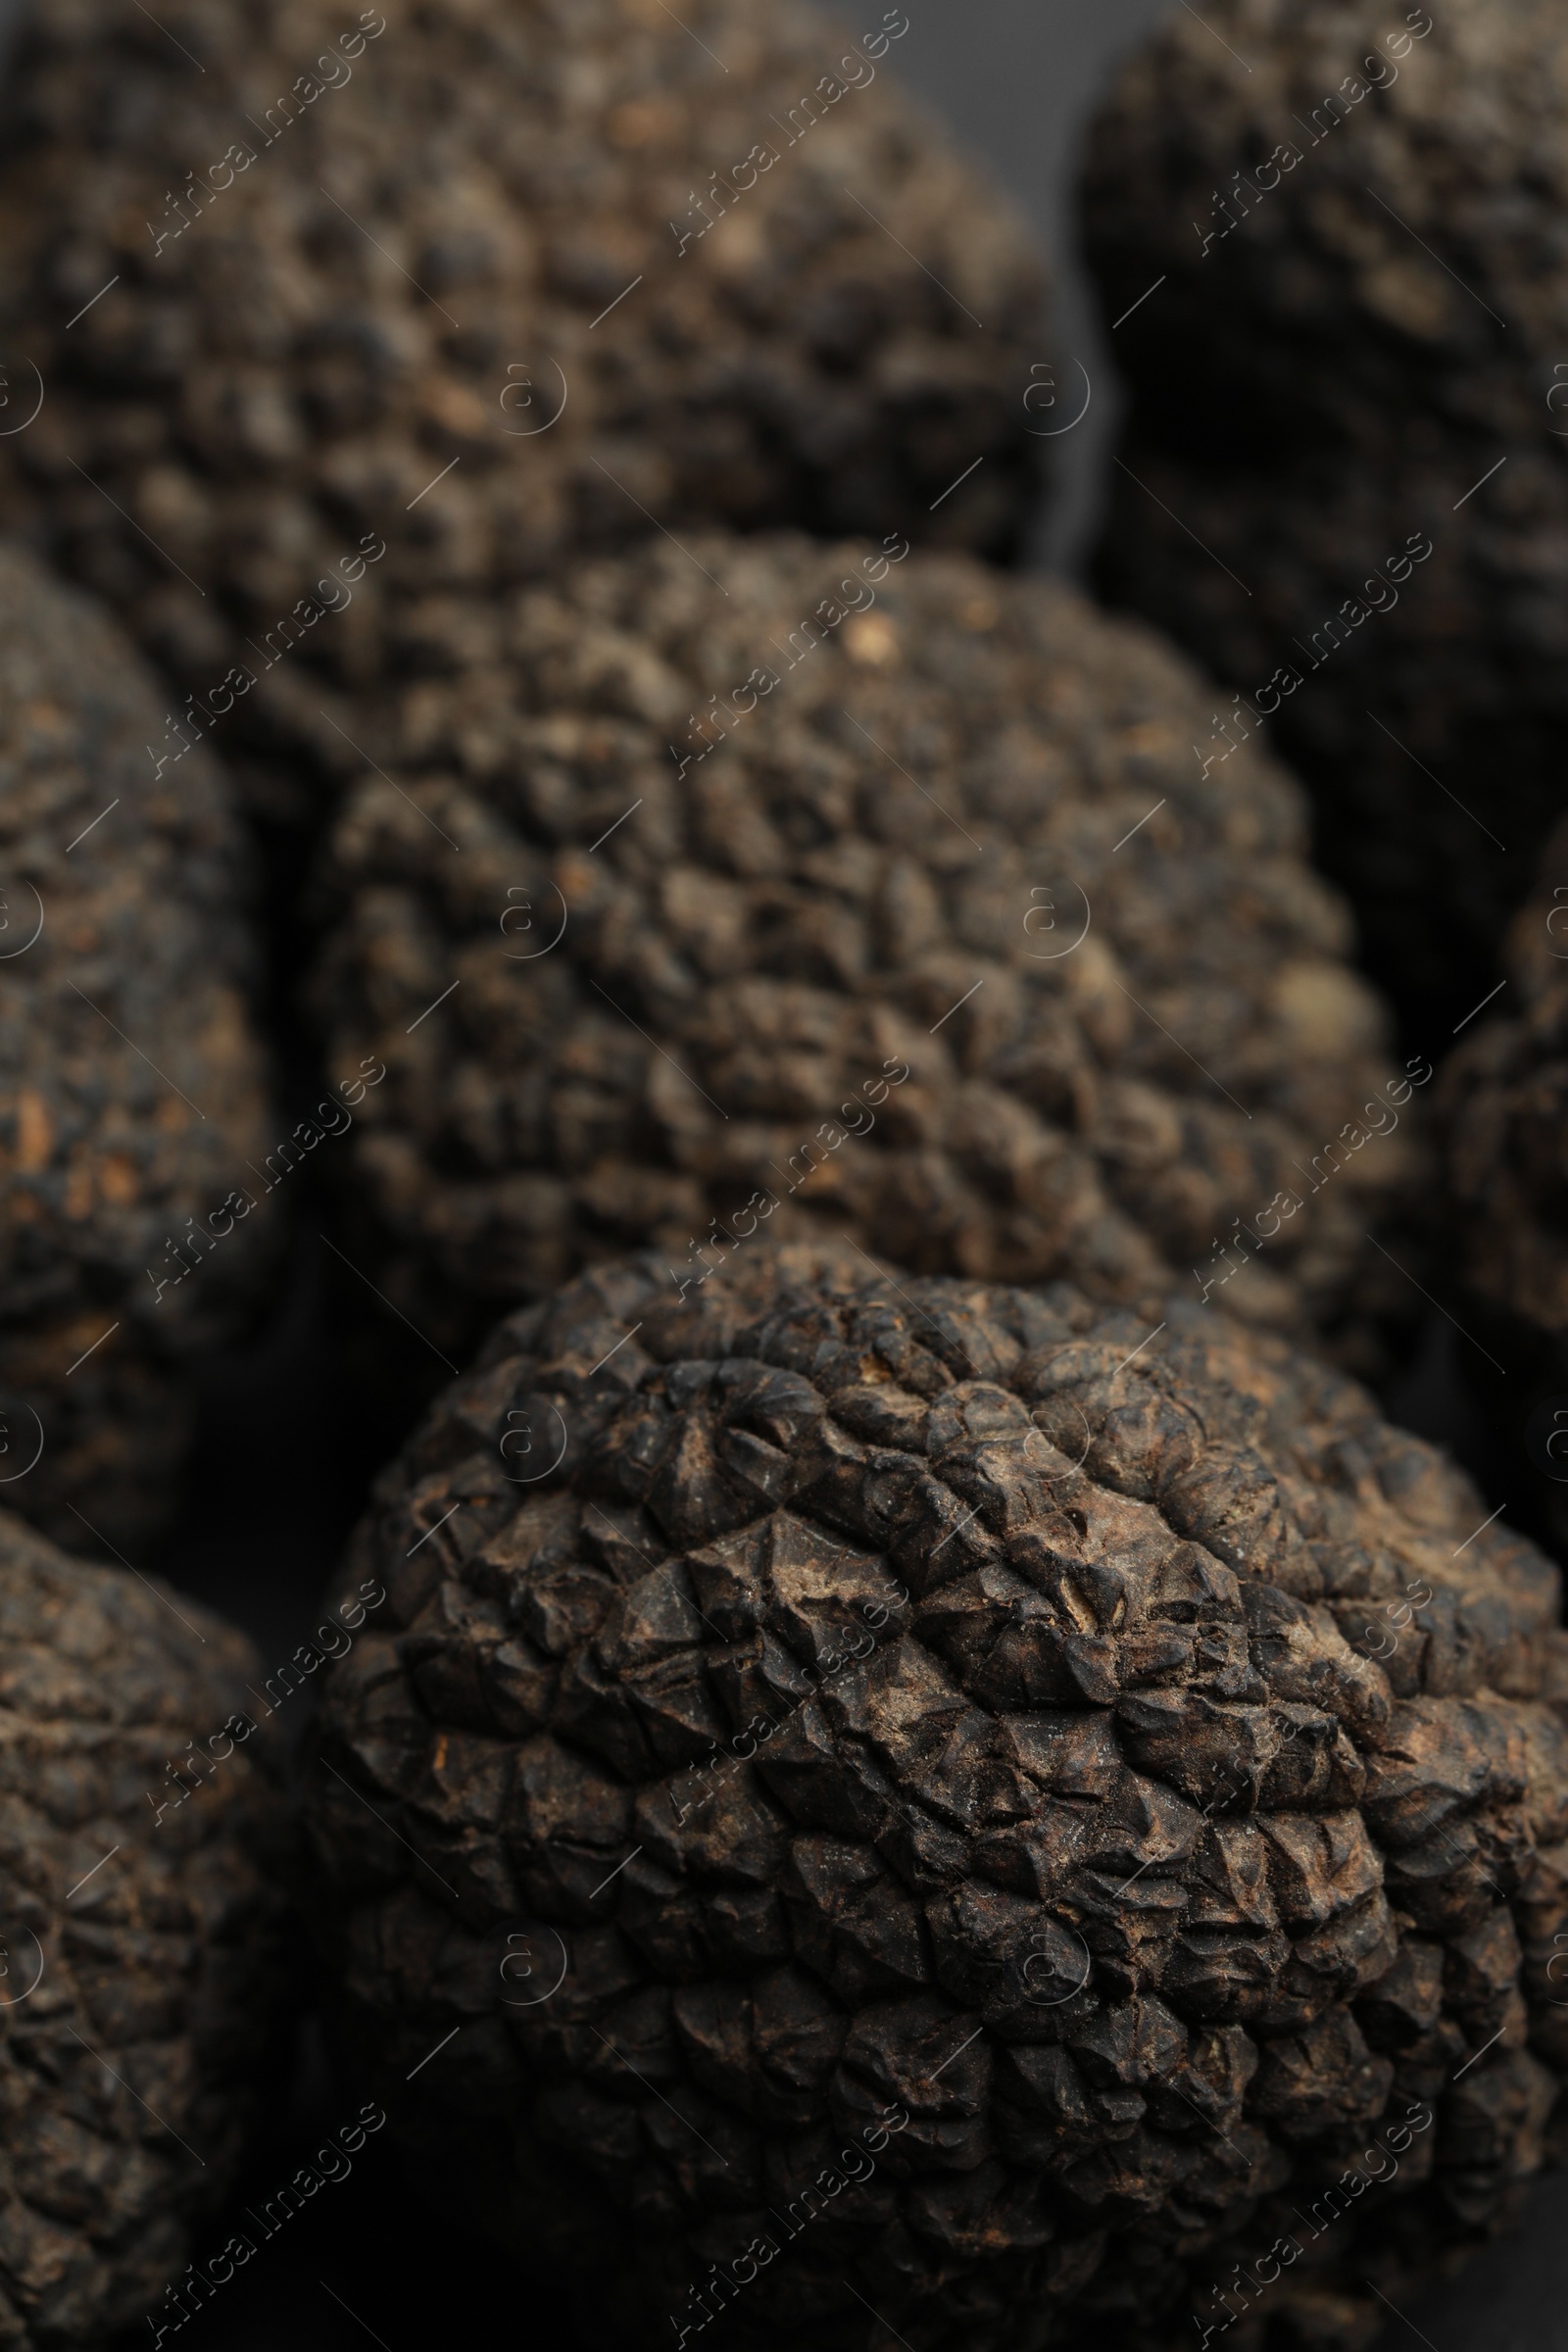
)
(1347, 218)
(146, 1960)
(132, 1086)
(869, 885)
(446, 306)
(845, 1706)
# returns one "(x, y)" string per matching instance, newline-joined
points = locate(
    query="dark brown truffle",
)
(131, 1097)
(1347, 220)
(932, 932)
(143, 1936)
(894, 1772)
(484, 284)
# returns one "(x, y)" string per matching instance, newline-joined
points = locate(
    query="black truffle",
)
(143, 1959)
(483, 285)
(131, 1085)
(1343, 479)
(887, 1801)
(840, 891)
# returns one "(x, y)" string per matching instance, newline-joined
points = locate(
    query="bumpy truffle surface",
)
(142, 1932)
(848, 891)
(853, 1714)
(131, 1092)
(1351, 357)
(482, 285)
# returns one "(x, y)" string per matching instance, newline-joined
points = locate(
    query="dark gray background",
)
(1016, 79)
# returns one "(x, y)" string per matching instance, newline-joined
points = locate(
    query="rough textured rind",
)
(131, 1086)
(406, 275)
(963, 836)
(164, 1947)
(1371, 330)
(842, 1698)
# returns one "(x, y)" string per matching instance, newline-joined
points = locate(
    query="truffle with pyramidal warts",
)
(858, 891)
(342, 316)
(914, 1795)
(145, 1849)
(1344, 478)
(134, 1228)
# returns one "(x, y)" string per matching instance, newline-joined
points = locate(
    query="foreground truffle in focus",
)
(143, 1925)
(1345, 473)
(481, 286)
(131, 1085)
(940, 1798)
(859, 892)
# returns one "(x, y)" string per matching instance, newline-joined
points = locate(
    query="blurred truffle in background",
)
(754, 884)
(330, 337)
(1331, 238)
(135, 1225)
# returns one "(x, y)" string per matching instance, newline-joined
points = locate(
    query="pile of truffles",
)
(381, 312)
(762, 885)
(131, 1085)
(1343, 479)
(939, 1798)
(144, 1957)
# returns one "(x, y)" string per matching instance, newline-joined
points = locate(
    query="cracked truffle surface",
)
(932, 932)
(909, 1716)
(145, 1953)
(1356, 216)
(131, 1084)
(453, 248)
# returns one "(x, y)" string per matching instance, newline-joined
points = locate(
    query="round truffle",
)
(355, 316)
(762, 884)
(910, 1795)
(1345, 478)
(131, 1085)
(144, 1946)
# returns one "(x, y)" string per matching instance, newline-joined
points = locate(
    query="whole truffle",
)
(131, 1085)
(473, 288)
(758, 884)
(1345, 478)
(886, 1801)
(144, 1957)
